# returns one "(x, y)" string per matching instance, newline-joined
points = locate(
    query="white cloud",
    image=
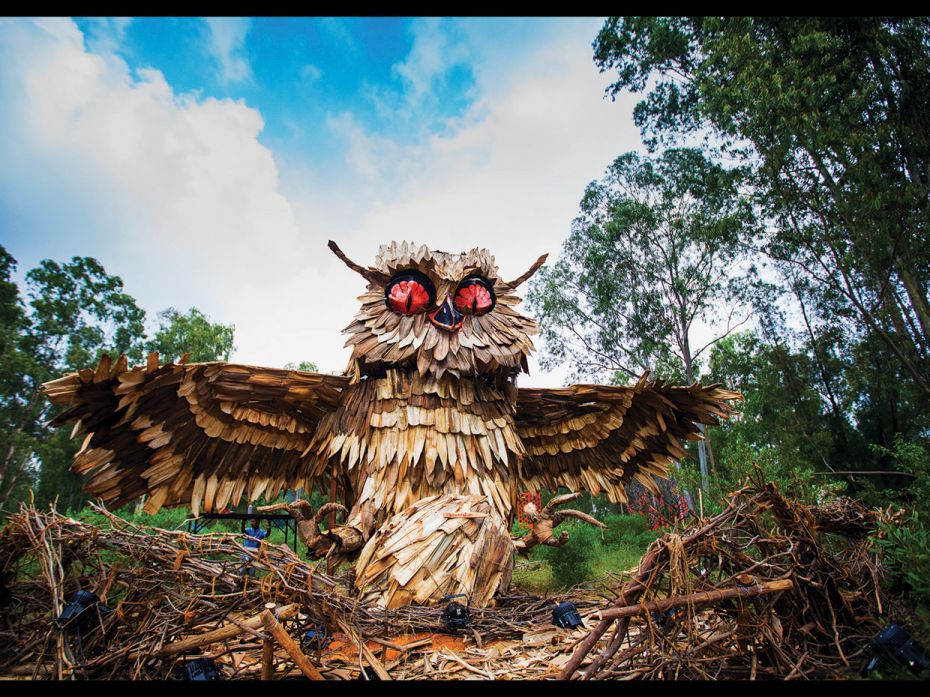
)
(177, 195)
(511, 174)
(226, 44)
(433, 53)
(310, 73)
(171, 192)
(105, 35)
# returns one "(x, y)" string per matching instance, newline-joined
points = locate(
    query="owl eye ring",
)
(475, 296)
(409, 293)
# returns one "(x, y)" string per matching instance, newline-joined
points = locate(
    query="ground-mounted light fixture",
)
(895, 645)
(455, 616)
(201, 670)
(80, 609)
(565, 615)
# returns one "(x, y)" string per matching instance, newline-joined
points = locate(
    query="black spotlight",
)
(895, 644)
(456, 616)
(81, 608)
(316, 638)
(566, 615)
(201, 669)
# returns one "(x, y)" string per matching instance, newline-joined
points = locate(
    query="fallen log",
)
(293, 650)
(702, 598)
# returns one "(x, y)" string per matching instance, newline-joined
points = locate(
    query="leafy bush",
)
(628, 530)
(740, 461)
(905, 545)
(573, 563)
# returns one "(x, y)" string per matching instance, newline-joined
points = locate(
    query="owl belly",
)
(442, 545)
(405, 437)
(430, 466)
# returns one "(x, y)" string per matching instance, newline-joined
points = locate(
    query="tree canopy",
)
(192, 333)
(649, 255)
(69, 315)
(829, 116)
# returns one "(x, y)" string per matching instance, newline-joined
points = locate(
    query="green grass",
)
(616, 549)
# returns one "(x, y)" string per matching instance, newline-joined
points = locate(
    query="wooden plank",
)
(228, 632)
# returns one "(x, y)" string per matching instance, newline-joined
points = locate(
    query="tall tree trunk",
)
(839, 422)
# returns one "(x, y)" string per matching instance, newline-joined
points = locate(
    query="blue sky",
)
(208, 161)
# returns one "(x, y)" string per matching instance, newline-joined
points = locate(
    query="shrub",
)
(741, 461)
(628, 530)
(573, 563)
(905, 545)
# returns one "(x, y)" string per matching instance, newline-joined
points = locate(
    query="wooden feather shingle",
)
(184, 432)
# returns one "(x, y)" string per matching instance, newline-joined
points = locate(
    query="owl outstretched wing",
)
(598, 437)
(204, 432)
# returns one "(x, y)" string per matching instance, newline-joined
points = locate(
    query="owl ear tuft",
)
(533, 269)
(372, 275)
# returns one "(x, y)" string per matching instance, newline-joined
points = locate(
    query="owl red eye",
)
(409, 293)
(474, 297)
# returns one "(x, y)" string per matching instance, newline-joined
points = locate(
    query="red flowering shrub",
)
(661, 511)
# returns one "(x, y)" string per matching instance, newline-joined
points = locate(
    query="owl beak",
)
(447, 317)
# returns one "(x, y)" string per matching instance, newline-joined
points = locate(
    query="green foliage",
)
(74, 313)
(905, 545)
(648, 255)
(741, 462)
(573, 563)
(629, 531)
(589, 554)
(825, 118)
(828, 117)
(782, 410)
(306, 366)
(70, 314)
(192, 333)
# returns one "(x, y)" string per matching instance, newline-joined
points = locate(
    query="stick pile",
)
(173, 593)
(767, 589)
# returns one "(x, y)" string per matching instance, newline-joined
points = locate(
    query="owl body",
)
(403, 437)
(426, 438)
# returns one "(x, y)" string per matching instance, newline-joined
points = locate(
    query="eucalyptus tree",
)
(73, 312)
(646, 270)
(192, 332)
(830, 117)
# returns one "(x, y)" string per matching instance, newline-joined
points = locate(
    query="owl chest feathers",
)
(402, 437)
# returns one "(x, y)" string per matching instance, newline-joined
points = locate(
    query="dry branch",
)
(293, 650)
(755, 592)
(694, 599)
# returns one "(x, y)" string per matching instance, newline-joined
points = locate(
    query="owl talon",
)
(544, 521)
(320, 544)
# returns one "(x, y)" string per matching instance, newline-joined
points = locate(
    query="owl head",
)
(438, 312)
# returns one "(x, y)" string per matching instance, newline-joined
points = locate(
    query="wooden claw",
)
(544, 521)
(327, 508)
(340, 539)
(571, 513)
(556, 501)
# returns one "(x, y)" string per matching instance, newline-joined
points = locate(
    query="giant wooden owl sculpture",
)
(426, 440)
